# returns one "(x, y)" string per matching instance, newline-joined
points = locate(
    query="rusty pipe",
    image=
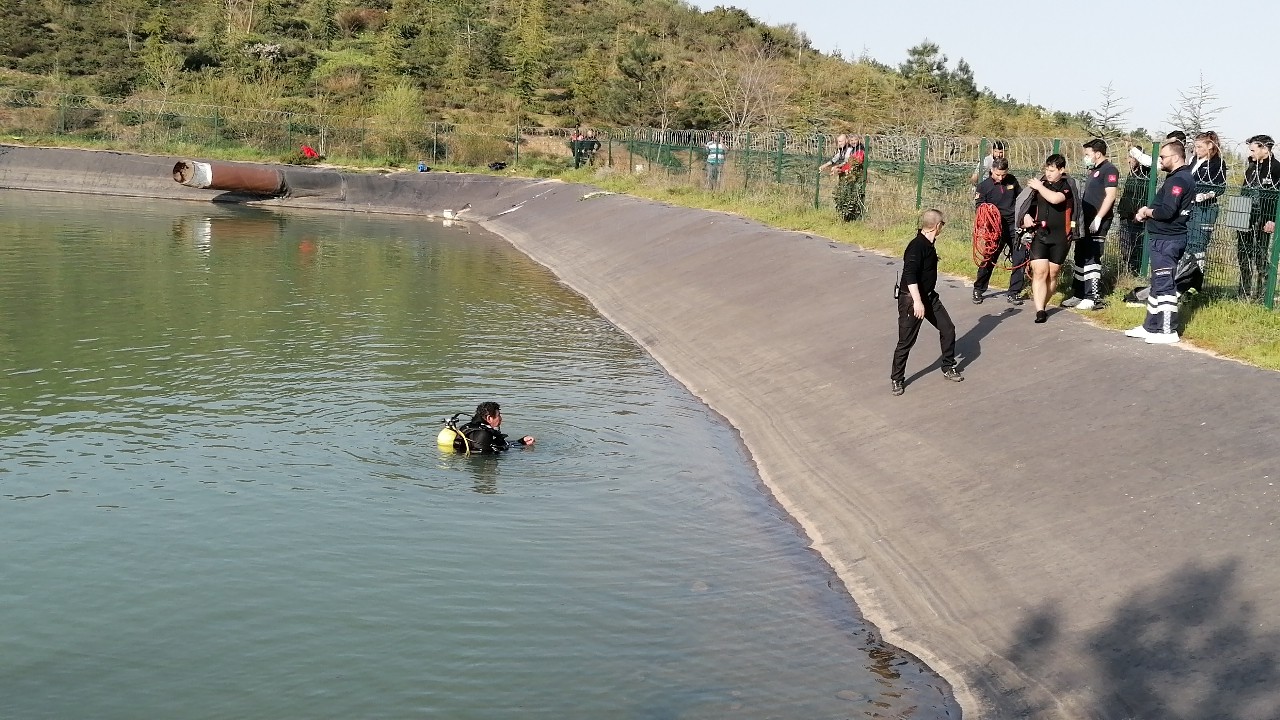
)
(226, 176)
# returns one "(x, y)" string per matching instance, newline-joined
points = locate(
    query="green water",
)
(220, 495)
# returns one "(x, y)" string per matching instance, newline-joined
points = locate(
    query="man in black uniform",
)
(482, 433)
(918, 301)
(1001, 189)
(1099, 200)
(1167, 228)
(1052, 220)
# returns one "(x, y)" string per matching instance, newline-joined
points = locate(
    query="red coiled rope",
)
(986, 235)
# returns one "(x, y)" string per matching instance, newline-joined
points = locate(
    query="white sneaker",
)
(1162, 338)
(1085, 304)
(1071, 302)
(1138, 332)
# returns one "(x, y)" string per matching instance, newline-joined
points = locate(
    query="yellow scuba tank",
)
(451, 438)
(446, 437)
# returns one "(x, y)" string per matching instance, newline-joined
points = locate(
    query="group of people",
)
(1038, 226)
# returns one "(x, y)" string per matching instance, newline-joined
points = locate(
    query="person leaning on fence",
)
(1210, 174)
(918, 301)
(984, 168)
(1001, 189)
(584, 148)
(1098, 202)
(1132, 197)
(847, 164)
(715, 160)
(1261, 187)
(1166, 223)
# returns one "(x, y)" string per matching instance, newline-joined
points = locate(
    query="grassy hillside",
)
(557, 63)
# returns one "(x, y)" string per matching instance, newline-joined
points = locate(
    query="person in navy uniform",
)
(1262, 185)
(1167, 228)
(918, 301)
(1000, 188)
(1052, 218)
(1099, 202)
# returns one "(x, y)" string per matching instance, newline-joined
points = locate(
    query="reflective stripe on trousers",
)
(1162, 303)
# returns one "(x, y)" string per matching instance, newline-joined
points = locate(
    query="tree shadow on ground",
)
(1191, 647)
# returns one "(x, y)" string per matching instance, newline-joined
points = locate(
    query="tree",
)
(1107, 120)
(531, 44)
(745, 86)
(925, 66)
(1197, 108)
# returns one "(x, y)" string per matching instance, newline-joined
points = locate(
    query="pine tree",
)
(531, 45)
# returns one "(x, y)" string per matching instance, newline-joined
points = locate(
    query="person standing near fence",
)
(1167, 227)
(1053, 215)
(847, 165)
(1099, 201)
(1132, 197)
(1001, 189)
(1210, 174)
(984, 168)
(715, 160)
(918, 301)
(1261, 186)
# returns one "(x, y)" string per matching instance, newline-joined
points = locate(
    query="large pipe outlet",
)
(226, 176)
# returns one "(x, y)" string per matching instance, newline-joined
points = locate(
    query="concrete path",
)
(1084, 528)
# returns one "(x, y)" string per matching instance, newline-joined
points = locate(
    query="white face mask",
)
(1088, 161)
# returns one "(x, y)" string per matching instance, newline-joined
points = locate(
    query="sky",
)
(1233, 48)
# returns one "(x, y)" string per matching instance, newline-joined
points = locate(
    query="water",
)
(220, 495)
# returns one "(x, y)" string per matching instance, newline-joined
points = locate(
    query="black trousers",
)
(909, 330)
(1017, 254)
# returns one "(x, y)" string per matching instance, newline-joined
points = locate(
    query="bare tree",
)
(1108, 119)
(1197, 108)
(746, 87)
(239, 15)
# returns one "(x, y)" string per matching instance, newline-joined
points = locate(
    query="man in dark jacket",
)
(483, 434)
(918, 301)
(1167, 228)
(1001, 189)
(1099, 200)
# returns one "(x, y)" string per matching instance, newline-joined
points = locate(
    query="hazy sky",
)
(1011, 51)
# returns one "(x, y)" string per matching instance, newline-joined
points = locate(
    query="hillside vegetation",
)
(556, 63)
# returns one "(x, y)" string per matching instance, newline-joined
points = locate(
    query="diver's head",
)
(488, 413)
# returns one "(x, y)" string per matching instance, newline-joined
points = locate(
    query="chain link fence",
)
(902, 174)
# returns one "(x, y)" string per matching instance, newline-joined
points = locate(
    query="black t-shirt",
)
(920, 266)
(1100, 178)
(1055, 218)
(1004, 195)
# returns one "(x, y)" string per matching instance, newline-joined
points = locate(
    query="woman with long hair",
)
(1210, 174)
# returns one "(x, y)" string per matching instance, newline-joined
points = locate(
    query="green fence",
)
(904, 173)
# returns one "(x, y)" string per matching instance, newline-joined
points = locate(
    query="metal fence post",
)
(1057, 146)
(746, 165)
(217, 136)
(435, 142)
(1269, 298)
(609, 140)
(1151, 198)
(777, 170)
(817, 179)
(517, 162)
(924, 148)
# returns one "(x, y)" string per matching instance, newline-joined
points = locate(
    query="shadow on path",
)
(969, 345)
(1188, 647)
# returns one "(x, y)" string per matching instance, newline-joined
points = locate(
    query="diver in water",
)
(482, 433)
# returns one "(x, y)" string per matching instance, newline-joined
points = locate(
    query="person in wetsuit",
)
(1052, 219)
(483, 434)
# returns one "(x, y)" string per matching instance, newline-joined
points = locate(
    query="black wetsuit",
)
(483, 438)
(1054, 220)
